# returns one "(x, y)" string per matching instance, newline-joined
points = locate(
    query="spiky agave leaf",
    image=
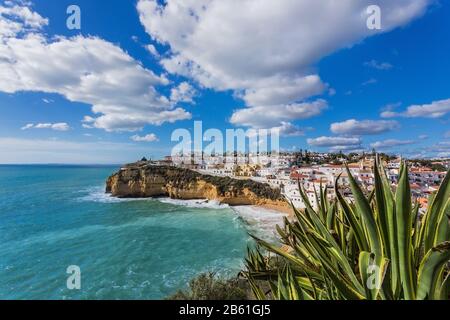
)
(435, 215)
(431, 271)
(403, 209)
(333, 248)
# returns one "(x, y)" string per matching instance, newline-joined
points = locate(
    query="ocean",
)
(53, 217)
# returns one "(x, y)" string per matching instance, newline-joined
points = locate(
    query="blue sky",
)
(102, 95)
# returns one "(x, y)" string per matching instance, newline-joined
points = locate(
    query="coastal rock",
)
(143, 180)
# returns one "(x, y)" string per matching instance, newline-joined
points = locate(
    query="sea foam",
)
(261, 221)
(203, 203)
(98, 194)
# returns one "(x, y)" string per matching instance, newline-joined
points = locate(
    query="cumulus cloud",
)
(147, 138)
(364, 127)
(339, 142)
(436, 109)
(184, 92)
(152, 50)
(263, 50)
(266, 116)
(16, 19)
(378, 65)
(83, 69)
(287, 129)
(391, 143)
(61, 126)
(275, 92)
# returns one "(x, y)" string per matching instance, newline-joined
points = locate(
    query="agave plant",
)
(377, 246)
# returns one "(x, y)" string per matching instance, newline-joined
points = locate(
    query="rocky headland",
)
(144, 180)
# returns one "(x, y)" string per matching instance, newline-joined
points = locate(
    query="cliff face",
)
(141, 180)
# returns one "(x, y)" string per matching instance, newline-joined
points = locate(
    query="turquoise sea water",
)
(52, 217)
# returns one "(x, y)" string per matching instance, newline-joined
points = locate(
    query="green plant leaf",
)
(435, 213)
(430, 271)
(404, 233)
(364, 209)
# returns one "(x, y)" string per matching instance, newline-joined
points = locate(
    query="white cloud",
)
(147, 138)
(61, 126)
(439, 150)
(364, 127)
(152, 49)
(47, 100)
(391, 143)
(391, 106)
(184, 92)
(88, 70)
(28, 126)
(356, 148)
(17, 19)
(266, 116)
(287, 129)
(378, 65)
(339, 142)
(283, 91)
(263, 50)
(369, 82)
(389, 114)
(435, 109)
(445, 155)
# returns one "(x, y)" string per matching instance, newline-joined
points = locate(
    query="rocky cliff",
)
(142, 180)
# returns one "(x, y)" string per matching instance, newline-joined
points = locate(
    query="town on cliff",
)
(268, 180)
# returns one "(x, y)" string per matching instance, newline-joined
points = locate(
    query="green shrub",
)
(209, 287)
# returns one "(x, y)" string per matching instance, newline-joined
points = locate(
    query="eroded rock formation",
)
(142, 180)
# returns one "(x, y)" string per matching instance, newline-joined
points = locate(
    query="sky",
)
(117, 88)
